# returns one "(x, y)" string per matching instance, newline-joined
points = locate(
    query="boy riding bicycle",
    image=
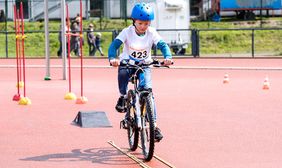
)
(138, 40)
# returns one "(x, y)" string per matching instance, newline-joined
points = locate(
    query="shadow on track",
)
(107, 156)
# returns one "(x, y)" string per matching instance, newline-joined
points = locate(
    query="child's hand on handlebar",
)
(114, 62)
(168, 61)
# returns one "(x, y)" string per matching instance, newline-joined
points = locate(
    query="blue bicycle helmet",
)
(142, 11)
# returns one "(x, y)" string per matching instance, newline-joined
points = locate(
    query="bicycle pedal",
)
(123, 124)
(157, 140)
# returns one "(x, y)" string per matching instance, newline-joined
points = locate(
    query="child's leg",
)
(123, 77)
(100, 50)
(94, 50)
(145, 81)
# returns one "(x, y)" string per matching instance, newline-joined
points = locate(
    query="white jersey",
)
(138, 47)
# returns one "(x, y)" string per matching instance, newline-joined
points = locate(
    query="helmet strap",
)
(136, 30)
(139, 34)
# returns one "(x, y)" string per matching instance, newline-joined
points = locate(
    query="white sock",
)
(155, 124)
(124, 96)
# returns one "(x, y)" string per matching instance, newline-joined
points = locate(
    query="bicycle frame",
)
(139, 118)
(139, 106)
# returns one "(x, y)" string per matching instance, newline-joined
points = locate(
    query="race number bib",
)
(139, 54)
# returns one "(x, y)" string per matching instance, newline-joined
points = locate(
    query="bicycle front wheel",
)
(148, 129)
(132, 129)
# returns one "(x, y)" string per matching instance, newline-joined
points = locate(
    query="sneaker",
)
(120, 104)
(158, 134)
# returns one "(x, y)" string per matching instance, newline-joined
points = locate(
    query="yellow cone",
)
(70, 96)
(24, 101)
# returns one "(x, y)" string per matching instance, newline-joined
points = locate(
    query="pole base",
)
(47, 78)
(17, 97)
(24, 101)
(70, 96)
(81, 100)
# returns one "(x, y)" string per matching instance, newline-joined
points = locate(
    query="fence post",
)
(6, 27)
(253, 43)
(195, 43)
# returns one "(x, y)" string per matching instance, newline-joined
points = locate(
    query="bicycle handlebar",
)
(134, 64)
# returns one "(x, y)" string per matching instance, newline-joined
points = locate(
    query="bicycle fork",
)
(138, 112)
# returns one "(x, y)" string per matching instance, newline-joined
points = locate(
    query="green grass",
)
(34, 43)
(211, 42)
(239, 42)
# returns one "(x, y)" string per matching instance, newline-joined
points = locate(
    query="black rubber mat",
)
(88, 119)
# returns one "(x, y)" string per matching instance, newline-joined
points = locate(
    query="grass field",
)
(211, 42)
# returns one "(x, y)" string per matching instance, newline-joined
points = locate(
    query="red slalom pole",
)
(81, 57)
(17, 96)
(19, 48)
(69, 95)
(69, 58)
(82, 99)
(23, 37)
(24, 100)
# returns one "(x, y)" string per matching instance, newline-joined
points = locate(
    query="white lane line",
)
(172, 67)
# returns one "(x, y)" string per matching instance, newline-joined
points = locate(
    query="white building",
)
(34, 9)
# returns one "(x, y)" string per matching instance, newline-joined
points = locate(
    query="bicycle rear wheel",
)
(148, 129)
(132, 129)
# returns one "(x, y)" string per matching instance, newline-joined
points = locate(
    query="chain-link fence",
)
(228, 38)
(252, 42)
(202, 43)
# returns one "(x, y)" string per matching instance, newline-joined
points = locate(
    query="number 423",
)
(139, 54)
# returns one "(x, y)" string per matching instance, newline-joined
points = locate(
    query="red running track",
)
(205, 123)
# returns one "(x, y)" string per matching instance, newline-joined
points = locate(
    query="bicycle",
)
(139, 109)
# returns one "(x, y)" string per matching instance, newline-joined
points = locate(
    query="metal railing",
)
(243, 42)
(35, 43)
(246, 42)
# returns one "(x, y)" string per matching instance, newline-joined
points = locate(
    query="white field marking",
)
(142, 164)
(161, 160)
(172, 67)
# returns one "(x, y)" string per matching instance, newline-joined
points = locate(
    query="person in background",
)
(2, 16)
(59, 52)
(77, 19)
(91, 40)
(75, 40)
(98, 44)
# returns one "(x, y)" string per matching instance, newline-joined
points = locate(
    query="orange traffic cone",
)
(226, 78)
(266, 84)
(81, 100)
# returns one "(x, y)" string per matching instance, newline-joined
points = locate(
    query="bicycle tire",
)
(148, 129)
(132, 129)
